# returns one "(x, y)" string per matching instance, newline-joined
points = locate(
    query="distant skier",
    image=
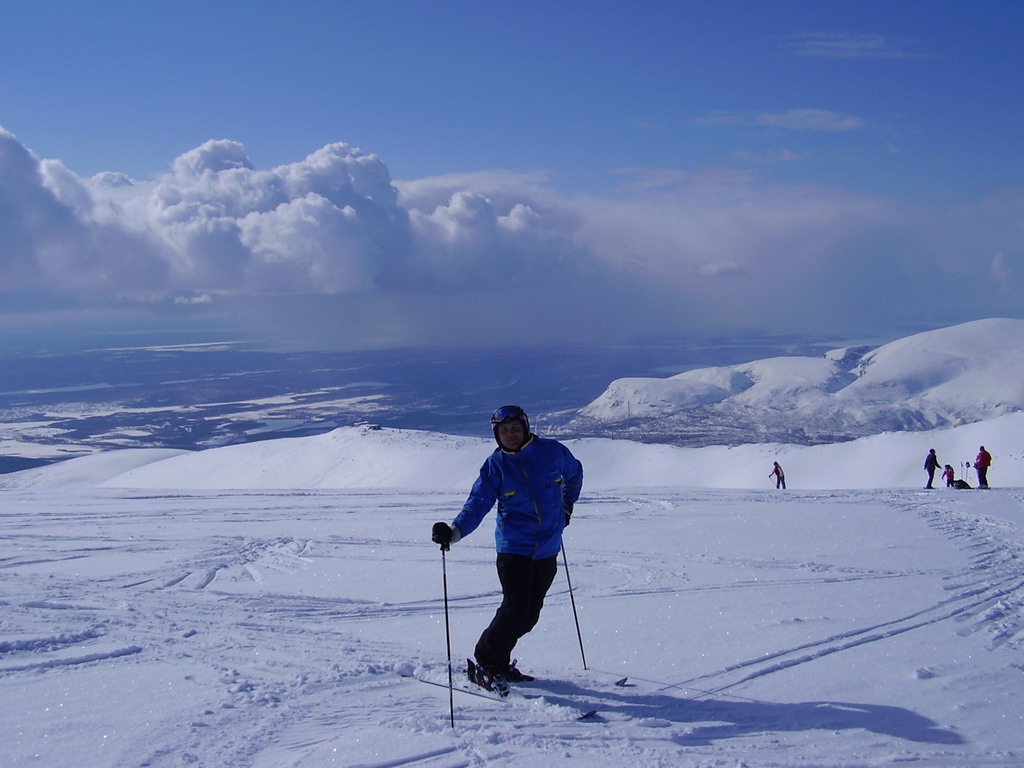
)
(931, 463)
(535, 482)
(981, 463)
(779, 475)
(948, 475)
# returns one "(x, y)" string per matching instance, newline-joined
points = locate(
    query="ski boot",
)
(487, 679)
(513, 675)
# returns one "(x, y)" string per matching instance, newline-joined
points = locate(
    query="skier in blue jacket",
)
(535, 482)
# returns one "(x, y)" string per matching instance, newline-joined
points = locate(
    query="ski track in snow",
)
(989, 597)
(992, 589)
(291, 644)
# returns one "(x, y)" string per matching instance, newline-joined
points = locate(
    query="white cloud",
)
(425, 260)
(52, 245)
(1004, 273)
(845, 45)
(720, 269)
(212, 158)
(307, 245)
(769, 157)
(812, 120)
(793, 119)
(202, 299)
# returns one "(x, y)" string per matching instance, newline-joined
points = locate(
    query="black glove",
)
(441, 534)
(567, 508)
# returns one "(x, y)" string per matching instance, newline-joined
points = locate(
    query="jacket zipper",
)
(536, 509)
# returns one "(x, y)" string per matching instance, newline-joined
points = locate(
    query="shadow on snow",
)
(727, 718)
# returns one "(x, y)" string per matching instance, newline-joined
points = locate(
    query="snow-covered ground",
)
(261, 605)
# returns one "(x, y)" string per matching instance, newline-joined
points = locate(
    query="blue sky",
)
(639, 169)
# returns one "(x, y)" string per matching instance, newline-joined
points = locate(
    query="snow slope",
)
(952, 376)
(361, 457)
(152, 616)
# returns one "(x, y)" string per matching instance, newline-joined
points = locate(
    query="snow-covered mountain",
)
(382, 458)
(947, 377)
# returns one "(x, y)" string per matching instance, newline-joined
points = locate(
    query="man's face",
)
(510, 434)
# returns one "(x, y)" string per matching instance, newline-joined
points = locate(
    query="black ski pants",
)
(524, 585)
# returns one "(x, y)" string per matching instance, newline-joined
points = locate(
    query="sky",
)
(386, 174)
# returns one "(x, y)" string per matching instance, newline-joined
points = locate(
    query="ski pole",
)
(448, 635)
(565, 562)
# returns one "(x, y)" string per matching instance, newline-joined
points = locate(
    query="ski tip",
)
(588, 715)
(621, 683)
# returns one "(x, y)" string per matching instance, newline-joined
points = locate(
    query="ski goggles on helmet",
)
(508, 413)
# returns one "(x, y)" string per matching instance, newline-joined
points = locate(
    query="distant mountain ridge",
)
(947, 377)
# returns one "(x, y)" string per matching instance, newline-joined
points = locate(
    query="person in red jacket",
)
(982, 463)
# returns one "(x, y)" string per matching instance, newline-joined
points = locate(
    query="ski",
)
(457, 688)
(489, 695)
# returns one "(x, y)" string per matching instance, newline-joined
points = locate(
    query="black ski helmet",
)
(510, 413)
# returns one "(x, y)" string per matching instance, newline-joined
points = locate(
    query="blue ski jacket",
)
(532, 487)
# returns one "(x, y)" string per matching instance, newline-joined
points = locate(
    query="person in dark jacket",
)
(981, 463)
(535, 482)
(779, 475)
(931, 463)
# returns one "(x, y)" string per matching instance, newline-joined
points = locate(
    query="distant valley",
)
(56, 406)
